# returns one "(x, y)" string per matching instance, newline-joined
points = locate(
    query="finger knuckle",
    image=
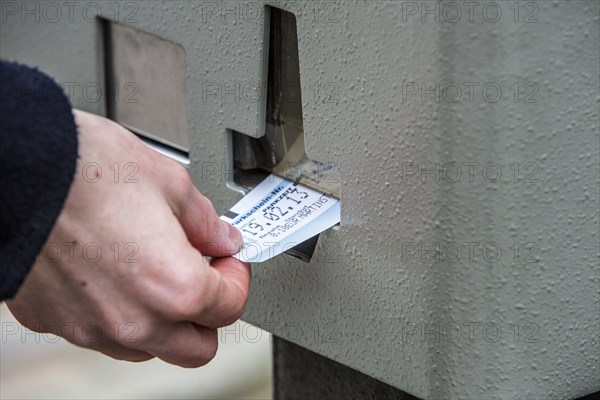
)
(182, 178)
(235, 312)
(141, 336)
(204, 353)
(173, 291)
(87, 335)
(211, 219)
(186, 303)
(208, 208)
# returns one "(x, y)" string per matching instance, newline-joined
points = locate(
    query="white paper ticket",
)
(279, 214)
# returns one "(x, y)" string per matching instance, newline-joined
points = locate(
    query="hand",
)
(123, 271)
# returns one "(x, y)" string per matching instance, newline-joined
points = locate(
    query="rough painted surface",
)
(364, 300)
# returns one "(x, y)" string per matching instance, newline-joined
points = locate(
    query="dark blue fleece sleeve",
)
(38, 150)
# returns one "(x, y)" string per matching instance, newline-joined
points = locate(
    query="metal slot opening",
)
(281, 148)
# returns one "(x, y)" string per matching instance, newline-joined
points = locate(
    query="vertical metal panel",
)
(150, 75)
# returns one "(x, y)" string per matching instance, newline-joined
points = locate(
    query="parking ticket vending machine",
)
(461, 139)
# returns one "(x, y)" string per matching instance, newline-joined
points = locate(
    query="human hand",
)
(131, 279)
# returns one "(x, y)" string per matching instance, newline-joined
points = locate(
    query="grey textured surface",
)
(299, 373)
(364, 300)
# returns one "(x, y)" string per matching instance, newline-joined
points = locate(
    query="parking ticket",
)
(279, 214)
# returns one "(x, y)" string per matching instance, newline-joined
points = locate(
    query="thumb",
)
(212, 236)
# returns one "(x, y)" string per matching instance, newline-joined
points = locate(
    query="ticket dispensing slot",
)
(280, 150)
